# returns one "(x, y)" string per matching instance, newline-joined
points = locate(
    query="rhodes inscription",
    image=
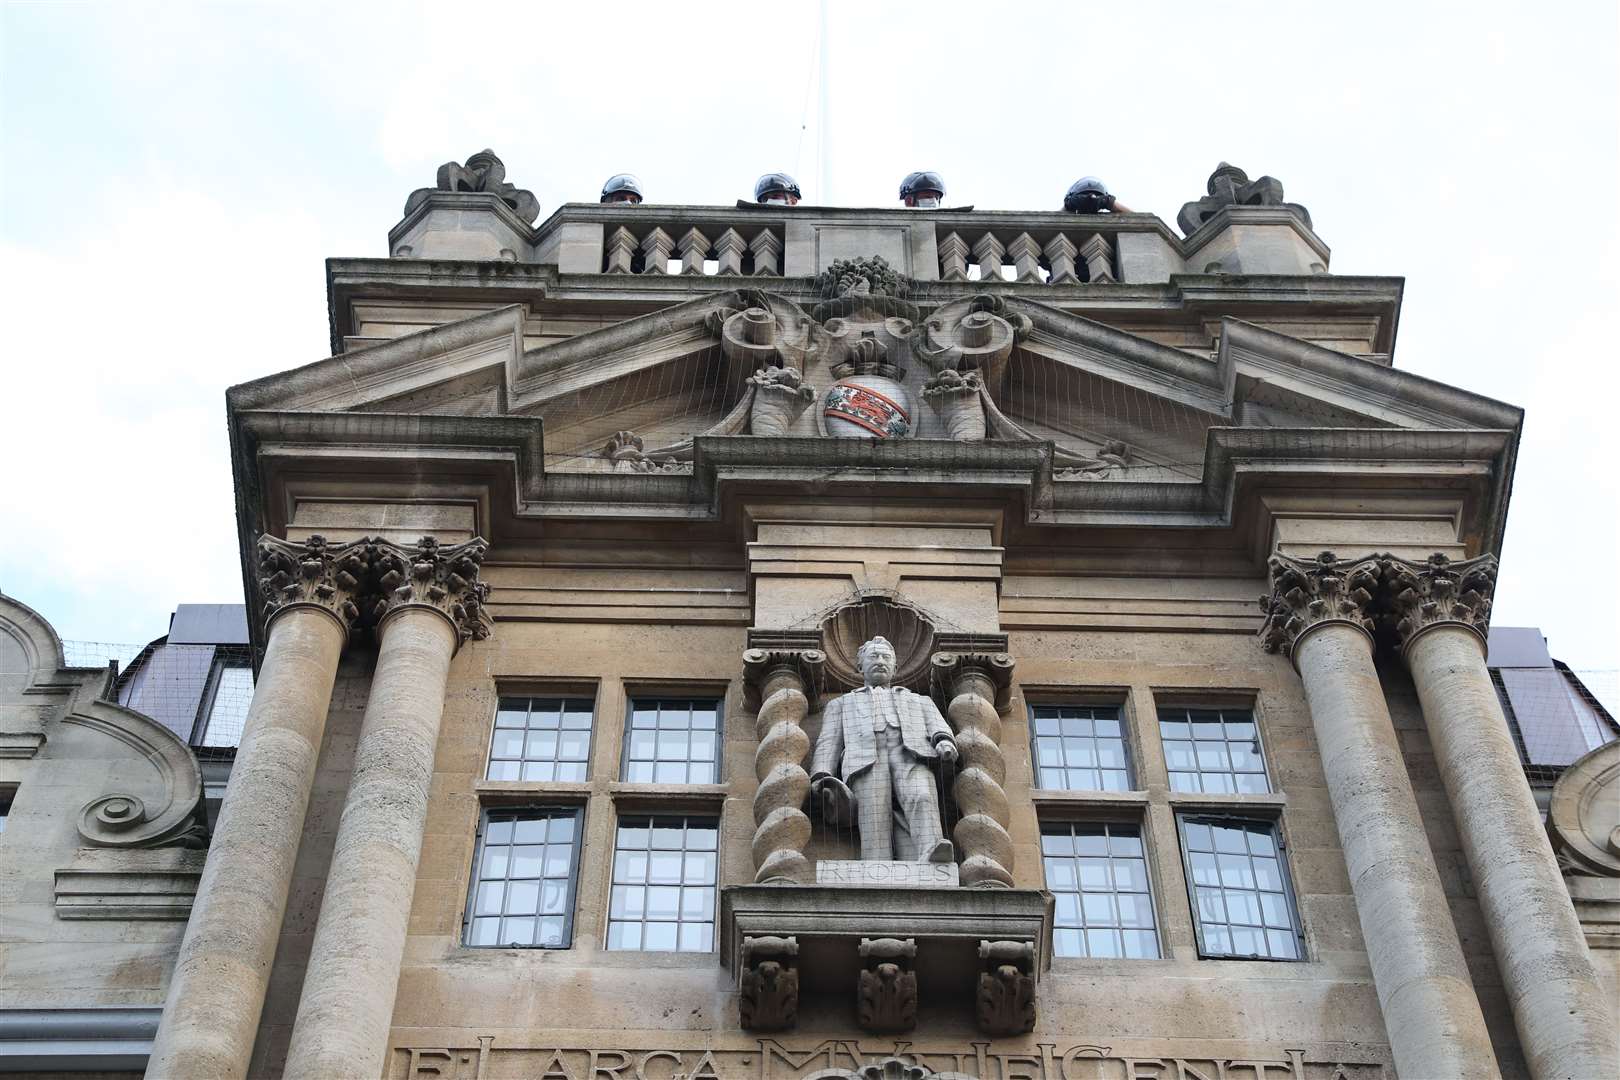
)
(916, 875)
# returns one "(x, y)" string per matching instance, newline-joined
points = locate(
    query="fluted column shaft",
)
(353, 974)
(1433, 1018)
(217, 991)
(1563, 1016)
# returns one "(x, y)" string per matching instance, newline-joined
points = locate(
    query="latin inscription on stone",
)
(915, 875)
(770, 1059)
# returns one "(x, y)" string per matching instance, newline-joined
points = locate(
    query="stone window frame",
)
(1248, 816)
(1110, 817)
(652, 814)
(1093, 701)
(563, 698)
(1222, 704)
(550, 810)
(635, 694)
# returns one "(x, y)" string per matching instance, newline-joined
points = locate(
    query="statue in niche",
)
(871, 764)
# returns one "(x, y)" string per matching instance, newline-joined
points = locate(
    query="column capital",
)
(312, 573)
(950, 667)
(771, 651)
(1438, 592)
(1307, 593)
(428, 574)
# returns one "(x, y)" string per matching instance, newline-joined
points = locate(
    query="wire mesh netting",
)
(200, 692)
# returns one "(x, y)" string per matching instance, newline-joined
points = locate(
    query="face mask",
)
(928, 202)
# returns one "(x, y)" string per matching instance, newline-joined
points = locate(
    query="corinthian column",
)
(431, 600)
(1317, 613)
(1564, 1019)
(784, 680)
(217, 990)
(974, 682)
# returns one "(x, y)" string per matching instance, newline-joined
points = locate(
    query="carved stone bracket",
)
(1438, 591)
(785, 682)
(1005, 1002)
(975, 688)
(886, 994)
(443, 578)
(313, 573)
(1306, 593)
(769, 985)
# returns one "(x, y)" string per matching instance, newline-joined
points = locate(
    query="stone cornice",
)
(1439, 592)
(1310, 593)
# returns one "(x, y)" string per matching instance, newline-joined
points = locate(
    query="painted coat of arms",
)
(866, 405)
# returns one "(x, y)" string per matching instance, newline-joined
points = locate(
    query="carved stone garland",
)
(975, 682)
(785, 682)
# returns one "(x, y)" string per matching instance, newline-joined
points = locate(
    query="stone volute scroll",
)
(771, 338)
(784, 680)
(975, 686)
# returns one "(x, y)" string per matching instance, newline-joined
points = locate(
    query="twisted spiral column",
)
(783, 681)
(974, 682)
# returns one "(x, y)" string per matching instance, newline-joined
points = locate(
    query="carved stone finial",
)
(484, 172)
(1230, 186)
(1308, 592)
(312, 572)
(886, 995)
(769, 986)
(444, 578)
(1005, 1001)
(1438, 591)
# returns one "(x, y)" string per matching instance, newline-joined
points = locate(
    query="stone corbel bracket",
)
(886, 990)
(782, 681)
(1004, 1003)
(768, 983)
(976, 688)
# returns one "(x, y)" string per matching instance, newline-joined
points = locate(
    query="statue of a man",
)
(879, 741)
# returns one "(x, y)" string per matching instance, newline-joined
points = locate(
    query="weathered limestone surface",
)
(218, 987)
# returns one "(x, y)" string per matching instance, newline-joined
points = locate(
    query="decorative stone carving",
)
(890, 1068)
(785, 682)
(870, 397)
(956, 398)
(1005, 1001)
(1583, 818)
(871, 285)
(766, 247)
(973, 684)
(444, 578)
(621, 251)
(1060, 253)
(1437, 590)
(908, 629)
(769, 985)
(1099, 256)
(626, 450)
(871, 763)
(482, 172)
(312, 573)
(1115, 454)
(977, 333)
(886, 994)
(779, 398)
(1308, 592)
(769, 332)
(118, 819)
(1230, 186)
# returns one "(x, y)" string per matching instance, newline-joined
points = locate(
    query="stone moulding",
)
(147, 885)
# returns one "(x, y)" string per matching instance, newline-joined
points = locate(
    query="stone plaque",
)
(892, 242)
(916, 875)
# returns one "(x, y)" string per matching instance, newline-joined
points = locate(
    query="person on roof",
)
(622, 188)
(778, 188)
(1088, 195)
(923, 190)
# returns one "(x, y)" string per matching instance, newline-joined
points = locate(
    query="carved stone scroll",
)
(1305, 593)
(886, 994)
(974, 682)
(977, 333)
(1005, 1001)
(443, 578)
(785, 681)
(769, 985)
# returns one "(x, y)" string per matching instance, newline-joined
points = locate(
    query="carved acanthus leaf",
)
(1307, 592)
(445, 578)
(313, 571)
(1438, 590)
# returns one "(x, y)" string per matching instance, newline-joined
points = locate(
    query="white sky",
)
(174, 174)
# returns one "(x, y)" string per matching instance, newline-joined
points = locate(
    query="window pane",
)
(528, 741)
(1098, 890)
(1242, 903)
(1072, 743)
(1212, 751)
(672, 741)
(233, 693)
(516, 847)
(677, 856)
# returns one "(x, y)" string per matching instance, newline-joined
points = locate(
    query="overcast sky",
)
(174, 175)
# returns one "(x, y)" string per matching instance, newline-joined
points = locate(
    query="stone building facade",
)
(555, 565)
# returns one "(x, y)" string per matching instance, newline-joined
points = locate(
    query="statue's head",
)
(877, 661)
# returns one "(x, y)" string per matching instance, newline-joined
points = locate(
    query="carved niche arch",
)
(878, 613)
(40, 648)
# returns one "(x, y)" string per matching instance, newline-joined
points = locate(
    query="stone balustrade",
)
(1039, 257)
